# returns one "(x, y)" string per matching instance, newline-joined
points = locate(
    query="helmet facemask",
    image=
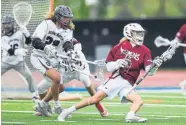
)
(65, 22)
(137, 37)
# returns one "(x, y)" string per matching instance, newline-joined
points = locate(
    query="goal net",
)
(12, 85)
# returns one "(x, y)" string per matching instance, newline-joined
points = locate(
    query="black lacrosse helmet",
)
(7, 25)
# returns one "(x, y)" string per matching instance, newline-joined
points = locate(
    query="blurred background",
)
(99, 26)
(99, 23)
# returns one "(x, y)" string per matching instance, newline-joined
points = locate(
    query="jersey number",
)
(50, 40)
(14, 46)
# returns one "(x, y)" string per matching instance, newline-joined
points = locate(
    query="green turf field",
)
(159, 108)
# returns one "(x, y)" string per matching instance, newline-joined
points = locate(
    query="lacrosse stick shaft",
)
(78, 70)
(141, 79)
(63, 56)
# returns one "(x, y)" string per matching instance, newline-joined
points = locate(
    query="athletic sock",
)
(56, 104)
(72, 109)
(131, 113)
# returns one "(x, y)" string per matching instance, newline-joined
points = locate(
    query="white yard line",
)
(13, 123)
(175, 116)
(159, 96)
(11, 111)
(111, 113)
(113, 104)
(54, 121)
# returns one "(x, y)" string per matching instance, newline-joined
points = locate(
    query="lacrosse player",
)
(125, 60)
(181, 37)
(13, 52)
(53, 36)
(46, 42)
(68, 74)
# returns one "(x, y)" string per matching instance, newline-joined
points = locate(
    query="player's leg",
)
(136, 103)
(85, 102)
(44, 89)
(183, 87)
(42, 65)
(109, 88)
(90, 88)
(5, 67)
(57, 107)
(23, 69)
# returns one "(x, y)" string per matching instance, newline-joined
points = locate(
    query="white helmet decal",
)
(134, 32)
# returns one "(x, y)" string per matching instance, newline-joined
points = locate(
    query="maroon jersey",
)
(140, 57)
(181, 35)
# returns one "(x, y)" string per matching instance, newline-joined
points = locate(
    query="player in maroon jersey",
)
(125, 60)
(181, 37)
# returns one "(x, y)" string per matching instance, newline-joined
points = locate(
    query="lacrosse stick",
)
(99, 77)
(160, 41)
(164, 56)
(22, 12)
(100, 63)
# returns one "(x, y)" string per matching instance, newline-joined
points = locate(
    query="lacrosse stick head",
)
(99, 77)
(22, 12)
(160, 41)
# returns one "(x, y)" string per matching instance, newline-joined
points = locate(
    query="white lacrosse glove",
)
(175, 43)
(50, 51)
(20, 52)
(72, 54)
(78, 65)
(157, 61)
(121, 63)
(54, 62)
(25, 31)
(168, 57)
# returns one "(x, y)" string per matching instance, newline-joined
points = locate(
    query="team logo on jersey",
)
(56, 34)
(130, 54)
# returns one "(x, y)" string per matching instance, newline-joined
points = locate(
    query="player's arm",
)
(26, 35)
(39, 35)
(68, 46)
(180, 36)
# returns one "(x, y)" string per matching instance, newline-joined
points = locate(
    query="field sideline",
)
(159, 108)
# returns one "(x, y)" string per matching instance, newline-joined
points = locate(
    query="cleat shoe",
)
(49, 109)
(42, 108)
(64, 114)
(135, 119)
(103, 111)
(57, 110)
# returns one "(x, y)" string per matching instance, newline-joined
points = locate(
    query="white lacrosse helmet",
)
(134, 32)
